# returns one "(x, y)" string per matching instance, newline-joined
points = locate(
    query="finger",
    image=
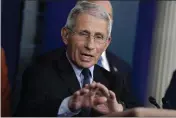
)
(120, 107)
(112, 94)
(76, 105)
(79, 98)
(99, 100)
(102, 108)
(79, 93)
(75, 95)
(92, 88)
(93, 82)
(84, 91)
(103, 89)
(93, 93)
(92, 85)
(75, 102)
(86, 86)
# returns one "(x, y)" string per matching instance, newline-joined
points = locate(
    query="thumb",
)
(112, 95)
(99, 100)
(75, 101)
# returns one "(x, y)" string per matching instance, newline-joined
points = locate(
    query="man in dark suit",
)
(169, 100)
(64, 86)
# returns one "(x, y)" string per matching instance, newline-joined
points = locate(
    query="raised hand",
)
(110, 105)
(84, 98)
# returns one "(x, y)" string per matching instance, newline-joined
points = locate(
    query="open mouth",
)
(89, 55)
(86, 57)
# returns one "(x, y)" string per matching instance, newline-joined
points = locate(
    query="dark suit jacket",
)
(47, 83)
(117, 64)
(170, 95)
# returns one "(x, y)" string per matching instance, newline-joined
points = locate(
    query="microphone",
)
(152, 100)
(166, 103)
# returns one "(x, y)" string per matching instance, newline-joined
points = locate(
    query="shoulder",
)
(110, 77)
(173, 80)
(41, 72)
(171, 88)
(47, 65)
(50, 56)
(174, 75)
(115, 60)
(172, 85)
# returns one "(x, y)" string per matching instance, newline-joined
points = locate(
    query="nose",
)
(90, 44)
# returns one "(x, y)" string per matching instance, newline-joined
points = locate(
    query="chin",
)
(86, 65)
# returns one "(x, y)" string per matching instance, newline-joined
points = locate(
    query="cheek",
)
(77, 47)
(99, 51)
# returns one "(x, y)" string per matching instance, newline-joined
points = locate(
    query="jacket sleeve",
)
(123, 89)
(37, 97)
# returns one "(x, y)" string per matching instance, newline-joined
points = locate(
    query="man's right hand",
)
(84, 98)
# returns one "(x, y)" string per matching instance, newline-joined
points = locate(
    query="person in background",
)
(169, 100)
(5, 88)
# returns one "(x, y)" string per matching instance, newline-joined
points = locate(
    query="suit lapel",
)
(100, 75)
(67, 73)
(109, 60)
(112, 67)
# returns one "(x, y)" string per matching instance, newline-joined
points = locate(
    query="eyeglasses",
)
(98, 38)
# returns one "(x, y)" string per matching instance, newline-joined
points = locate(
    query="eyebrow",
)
(99, 33)
(96, 33)
(85, 31)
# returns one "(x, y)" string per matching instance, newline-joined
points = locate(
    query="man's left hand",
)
(98, 90)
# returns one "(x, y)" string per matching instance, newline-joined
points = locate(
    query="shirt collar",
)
(79, 70)
(103, 55)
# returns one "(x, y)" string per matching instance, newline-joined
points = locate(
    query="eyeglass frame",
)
(88, 35)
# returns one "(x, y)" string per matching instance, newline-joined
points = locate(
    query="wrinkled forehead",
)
(91, 23)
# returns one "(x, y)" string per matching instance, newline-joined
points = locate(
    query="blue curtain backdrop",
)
(55, 17)
(142, 50)
(11, 16)
(11, 37)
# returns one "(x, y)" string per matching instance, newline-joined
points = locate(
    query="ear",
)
(65, 35)
(108, 42)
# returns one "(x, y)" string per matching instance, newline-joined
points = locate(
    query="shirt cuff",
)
(64, 110)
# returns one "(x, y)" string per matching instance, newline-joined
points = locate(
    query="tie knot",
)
(86, 72)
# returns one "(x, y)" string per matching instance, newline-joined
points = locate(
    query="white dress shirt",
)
(104, 61)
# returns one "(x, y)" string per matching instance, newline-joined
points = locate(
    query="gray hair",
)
(78, 1)
(91, 9)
